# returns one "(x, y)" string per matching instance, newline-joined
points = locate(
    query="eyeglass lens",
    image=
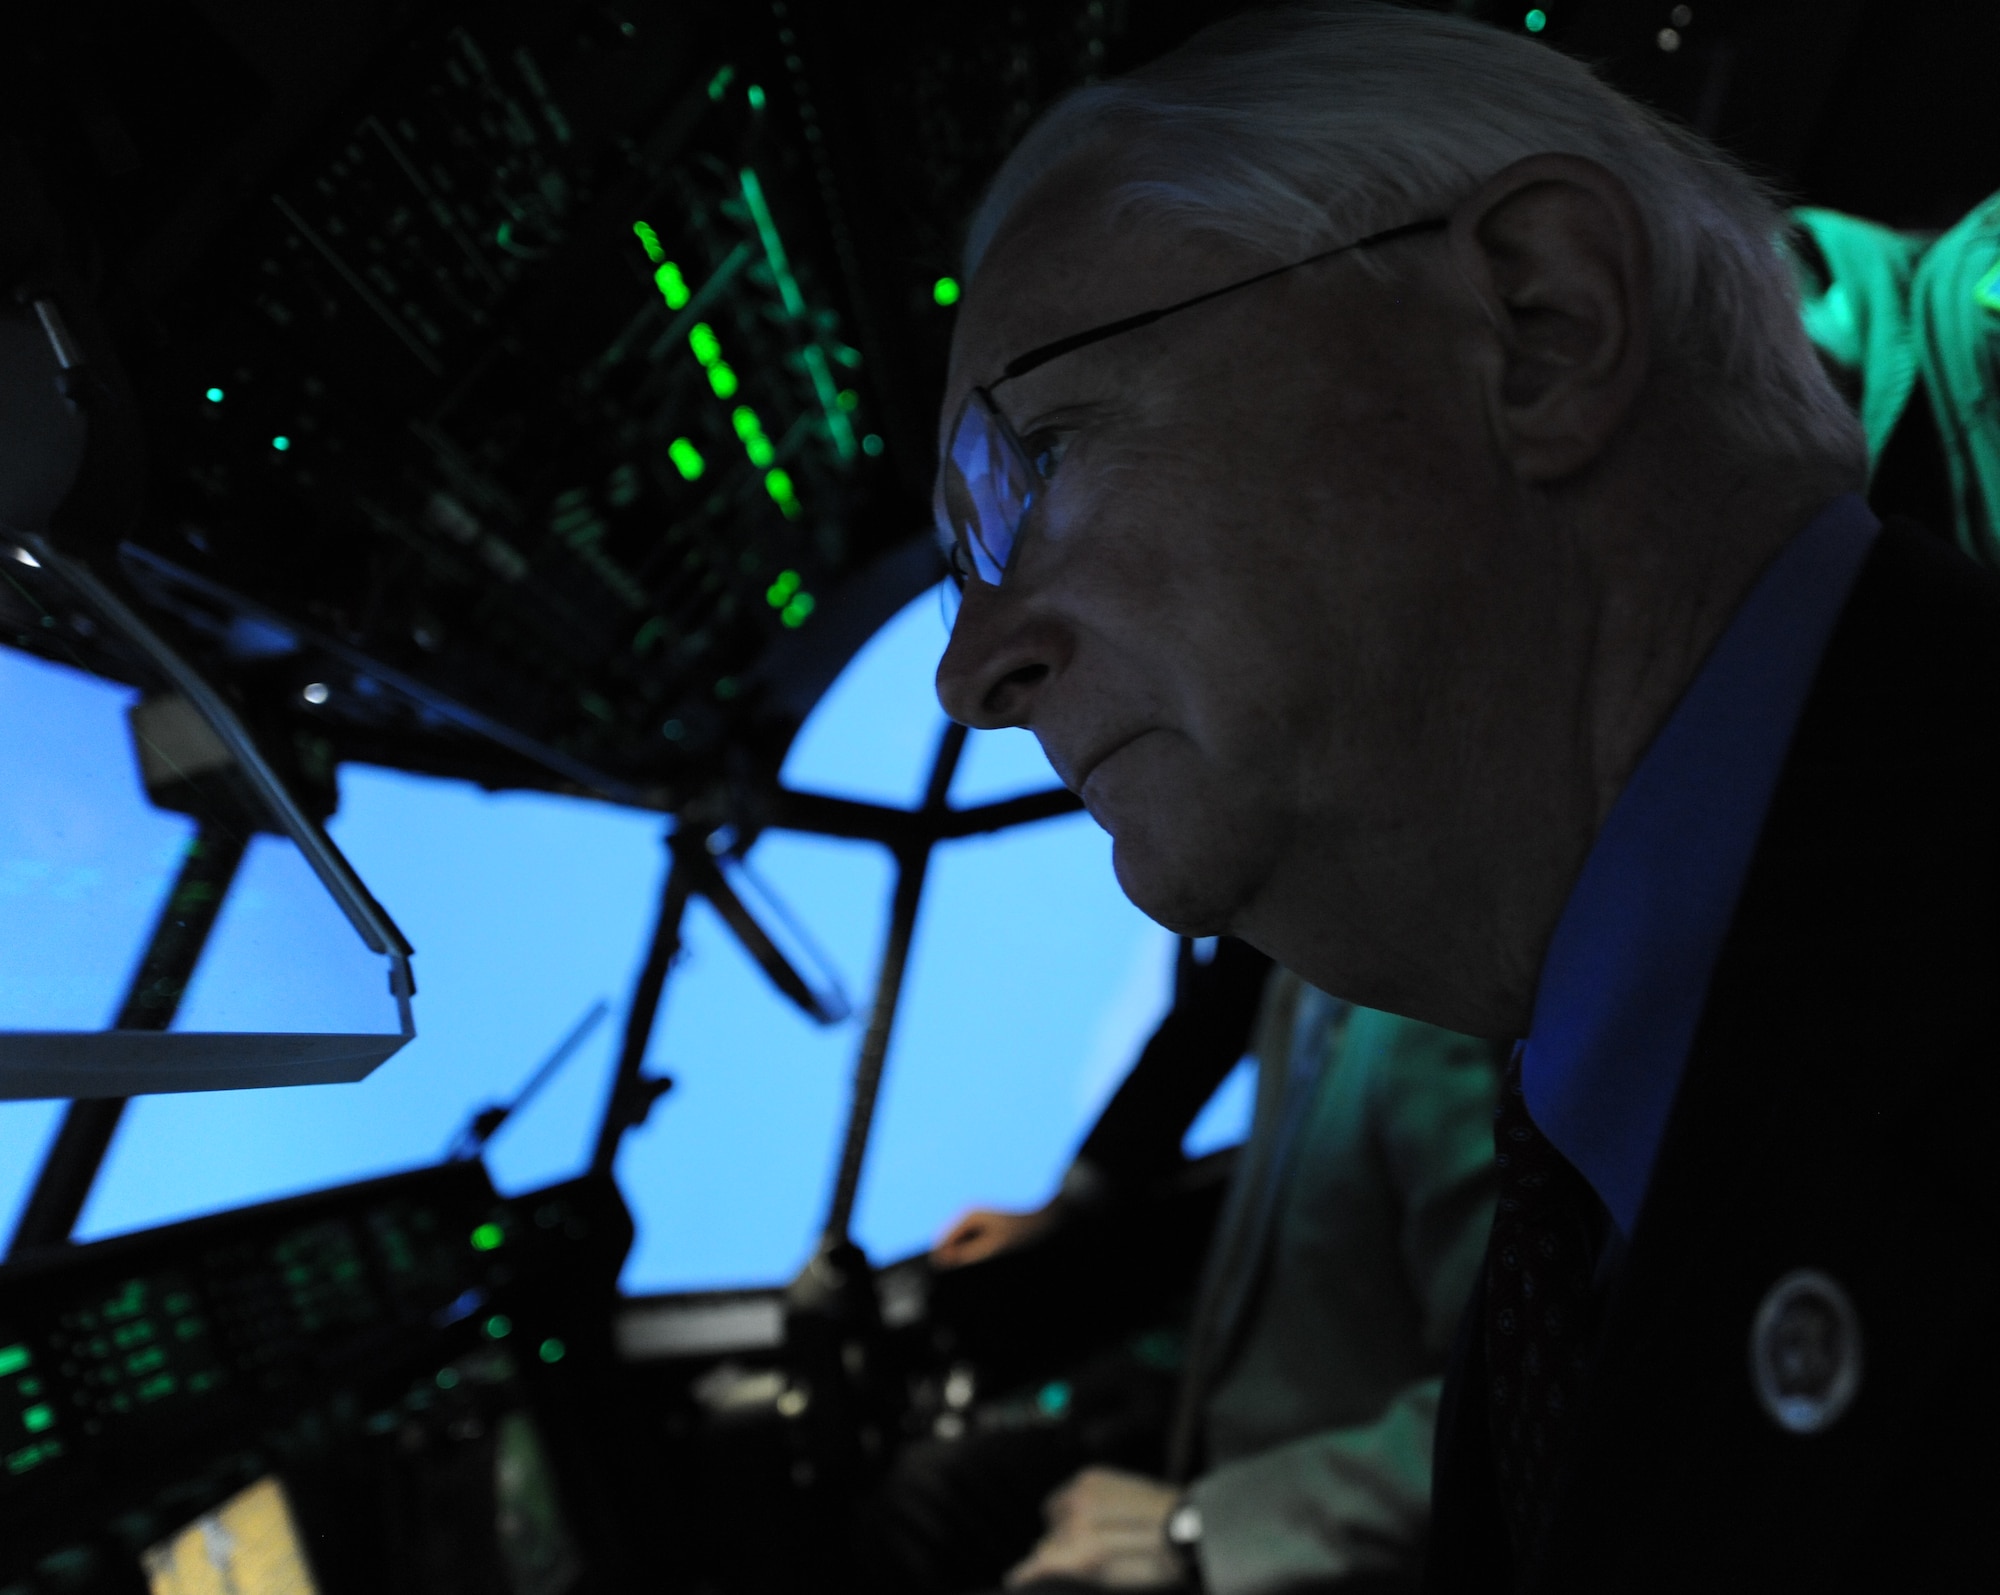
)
(986, 489)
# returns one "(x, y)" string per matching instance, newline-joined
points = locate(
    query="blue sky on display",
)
(1031, 985)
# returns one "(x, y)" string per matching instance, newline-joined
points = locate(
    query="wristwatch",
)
(1183, 1535)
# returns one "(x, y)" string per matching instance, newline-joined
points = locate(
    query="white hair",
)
(1297, 129)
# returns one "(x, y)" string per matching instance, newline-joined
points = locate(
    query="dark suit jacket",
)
(1838, 1112)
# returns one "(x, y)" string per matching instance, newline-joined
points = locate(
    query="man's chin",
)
(1171, 889)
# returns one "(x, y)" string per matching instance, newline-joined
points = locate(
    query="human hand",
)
(985, 1232)
(1108, 1528)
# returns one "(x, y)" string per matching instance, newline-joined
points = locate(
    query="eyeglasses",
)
(988, 481)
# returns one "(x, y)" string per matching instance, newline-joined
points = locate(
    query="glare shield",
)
(173, 920)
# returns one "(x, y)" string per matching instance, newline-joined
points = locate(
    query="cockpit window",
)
(527, 910)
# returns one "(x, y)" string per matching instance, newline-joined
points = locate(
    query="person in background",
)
(1299, 1449)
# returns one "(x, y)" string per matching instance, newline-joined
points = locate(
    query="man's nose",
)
(998, 662)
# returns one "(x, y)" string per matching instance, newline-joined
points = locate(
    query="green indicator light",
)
(499, 1327)
(447, 1378)
(687, 459)
(779, 485)
(744, 419)
(13, 1359)
(649, 241)
(794, 614)
(703, 341)
(214, 395)
(487, 1238)
(848, 399)
(1535, 21)
(1053, 1398)
(723, 380)
(779, 593)
(672, 285)
(281, 443)
(551, 1350)
(39, 1417)
(871, 445)
(945, 290)
(760, 451)
(718, 84)
(755, 95)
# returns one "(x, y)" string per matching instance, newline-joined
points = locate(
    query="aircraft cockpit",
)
(533, 402)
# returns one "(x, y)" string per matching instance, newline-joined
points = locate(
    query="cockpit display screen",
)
(247, 1546)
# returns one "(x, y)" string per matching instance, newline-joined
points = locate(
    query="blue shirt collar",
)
(1626, 976)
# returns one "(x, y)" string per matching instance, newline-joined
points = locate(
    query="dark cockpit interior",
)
(541, 394)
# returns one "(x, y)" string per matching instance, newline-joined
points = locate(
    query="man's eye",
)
(1045, 451)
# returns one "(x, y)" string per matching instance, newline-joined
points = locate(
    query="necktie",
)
(1543, 1309)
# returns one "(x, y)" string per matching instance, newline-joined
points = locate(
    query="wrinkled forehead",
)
(1069, 258)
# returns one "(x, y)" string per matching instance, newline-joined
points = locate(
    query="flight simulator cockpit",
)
(539, 394)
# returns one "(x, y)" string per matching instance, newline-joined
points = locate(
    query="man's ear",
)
(1555, 249)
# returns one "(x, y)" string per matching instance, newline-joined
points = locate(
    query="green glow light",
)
(779, 593)
(723, 380)
(1535, 21)
(13, 1359)
(871, 445)
(214, 395)
(779, 485)
(281, 443)
(38, 1417)
(649, 241)
(720, 82)
(794, 614)
(672, 285)
(487, 1238)
(838, 427)
(751, 431)
(551, 1350)
(774, 247)
(755, 95)
(499, 1327)
(847, 399)
(945, 290)
(447, 1378)
(1053, 1398)
(703, 341)
(687, 459)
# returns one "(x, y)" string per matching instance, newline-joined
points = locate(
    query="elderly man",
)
(1389, 476)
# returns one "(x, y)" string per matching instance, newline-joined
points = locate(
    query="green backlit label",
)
(687, 458)
(33, 1456)
(672, 285)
